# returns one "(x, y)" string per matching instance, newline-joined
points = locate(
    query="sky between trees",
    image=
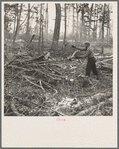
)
(52, 15)
(91, 21)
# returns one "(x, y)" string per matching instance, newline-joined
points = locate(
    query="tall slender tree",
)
(73, 23)
(47, 20)
(28, 20)
(57, 27)
(90, 19)
(65, 22)
(103, 22)
(82, 23)
(77, 27)
(18, 22)
(108, 23)
(42, 29)
(40, 32)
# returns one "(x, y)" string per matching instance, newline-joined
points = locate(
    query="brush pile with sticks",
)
(28, 80)
(42, 86)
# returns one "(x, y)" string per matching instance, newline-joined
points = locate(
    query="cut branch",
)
(14, 108)
(33, 83)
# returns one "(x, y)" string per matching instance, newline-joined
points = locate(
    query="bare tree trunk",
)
(90, 17)
(18, 22)
(42, 39)
(82, 24)
(65, 24)
(36, 27)
(107, 34)
(77, 27)
(39, 43)
(94, 31)
(14, 22)
(5, 23)
(108, 25)
(27, 27)
(103, 19)
(68, 18)
(57, 27)
(47, 20)
(42, 30)
(73, 25)
(96, 24)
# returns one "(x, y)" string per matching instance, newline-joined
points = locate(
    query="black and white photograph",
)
(59, 62)
(58, 59)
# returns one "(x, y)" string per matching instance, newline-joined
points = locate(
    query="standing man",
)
(91, 59)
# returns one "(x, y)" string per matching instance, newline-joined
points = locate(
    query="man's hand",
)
(81, 48)
(73, 46)
(66, 44)
(70, 58)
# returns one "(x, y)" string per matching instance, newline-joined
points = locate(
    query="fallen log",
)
(103, 57)
(87, 111)
(95, 99)
(108, 67)
(107, 60)
(105, 65)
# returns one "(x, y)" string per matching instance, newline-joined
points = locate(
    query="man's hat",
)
(87, 43)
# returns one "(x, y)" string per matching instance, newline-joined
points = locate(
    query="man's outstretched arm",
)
(79, 48)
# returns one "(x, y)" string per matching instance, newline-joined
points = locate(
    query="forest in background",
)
(81, 22)
(39, 78)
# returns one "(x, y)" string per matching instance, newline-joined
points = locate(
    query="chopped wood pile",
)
(105, 63)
